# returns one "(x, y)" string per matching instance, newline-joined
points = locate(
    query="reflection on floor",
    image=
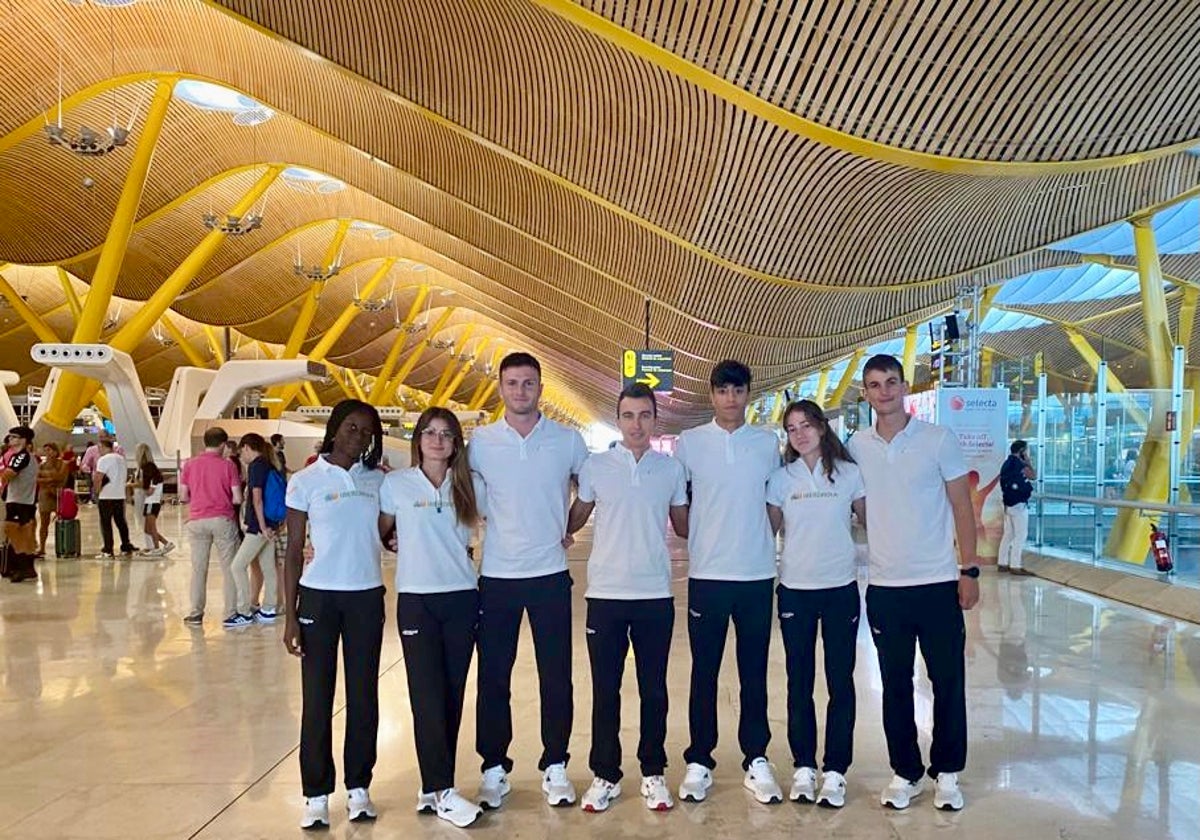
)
(118, 721)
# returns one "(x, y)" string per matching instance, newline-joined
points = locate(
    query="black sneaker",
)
(237, 620)
(194, 619)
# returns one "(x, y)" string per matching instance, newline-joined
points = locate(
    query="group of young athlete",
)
(728, 490)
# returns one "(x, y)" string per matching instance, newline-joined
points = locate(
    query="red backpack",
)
(68, 505)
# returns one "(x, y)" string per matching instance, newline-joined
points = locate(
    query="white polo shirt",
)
(729, 536)
(910, 525)
(431, 545)
(633, 498)
(528, 488)
(113, 465)
(818, 549)
(343, 524)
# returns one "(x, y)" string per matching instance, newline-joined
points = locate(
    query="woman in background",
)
(150, 478)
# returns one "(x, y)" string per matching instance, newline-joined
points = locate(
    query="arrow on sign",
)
(650, 379)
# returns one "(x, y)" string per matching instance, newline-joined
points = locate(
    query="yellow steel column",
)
(397, 347)
(839, 393)
(341, 383)
(214, 344)
(822, 386)
(309, 310)
(448, 371)
(40, 328)
(448, 391)
(987, 358)
(112, 254)
(69, 293)
(181, 340)
(1128, 538)
(413, 357)
(909, 362)
(481, 400)
(1187, 317)
(497, 413)
(352, 378)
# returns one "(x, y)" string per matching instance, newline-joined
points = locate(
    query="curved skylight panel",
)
(1176, 230)
(1063, 285)
(372, 230)
(998, 321)
(310, 181)
(209, 97)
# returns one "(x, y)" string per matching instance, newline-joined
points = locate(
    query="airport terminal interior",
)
(234, 213)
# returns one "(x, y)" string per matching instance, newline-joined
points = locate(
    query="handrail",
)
(1162, 507)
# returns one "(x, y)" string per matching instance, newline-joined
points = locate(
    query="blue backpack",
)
(275, 497)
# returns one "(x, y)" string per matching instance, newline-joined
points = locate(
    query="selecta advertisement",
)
(979, 416)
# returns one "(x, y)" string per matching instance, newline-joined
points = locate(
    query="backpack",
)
(275, 497)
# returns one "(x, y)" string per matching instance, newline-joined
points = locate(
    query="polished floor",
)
(118, 721)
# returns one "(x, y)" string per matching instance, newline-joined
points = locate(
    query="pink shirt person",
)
(212, 482)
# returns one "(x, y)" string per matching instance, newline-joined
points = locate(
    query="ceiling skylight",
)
(210, 97)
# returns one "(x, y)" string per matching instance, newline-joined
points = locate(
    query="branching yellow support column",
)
(474, 401)
(497, 413)
(69, 293)
(987, 359)
(822, 386)
(40, 328)
(181, 340)
(214, 344)
(357, 388)
(1154, 303)
(839, 393)
(480, 401)
(1187, 317)
(448, 371)
(393, 356)
(909, 361)
(452, 386)
(1089, 355)
(414, 356)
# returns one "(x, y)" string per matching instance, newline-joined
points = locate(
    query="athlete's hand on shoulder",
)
(968, 592)
(291, 635)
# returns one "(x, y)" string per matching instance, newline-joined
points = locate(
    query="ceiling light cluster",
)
(233, 225)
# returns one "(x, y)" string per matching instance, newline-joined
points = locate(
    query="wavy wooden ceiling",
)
(555, 189)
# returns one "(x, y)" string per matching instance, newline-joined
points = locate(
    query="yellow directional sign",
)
(655, 368)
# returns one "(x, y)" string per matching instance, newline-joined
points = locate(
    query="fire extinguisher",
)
(1162, 553)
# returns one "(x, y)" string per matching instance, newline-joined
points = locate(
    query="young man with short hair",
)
(634, 490)
(527, 463)
(109, 478)
(731, 575)
(210, 485)
(18, 476)
(918, 505)
(1016, 486)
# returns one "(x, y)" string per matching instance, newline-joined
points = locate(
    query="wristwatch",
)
(970, 571)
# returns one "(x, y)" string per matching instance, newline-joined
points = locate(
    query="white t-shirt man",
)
(527, 488)
(818, 550)
(431, 544)
(910, 524)
(343, 519)
(729, 536)
(114, 467)
(633, 498)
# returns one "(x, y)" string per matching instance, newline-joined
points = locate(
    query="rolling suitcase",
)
(66, 538)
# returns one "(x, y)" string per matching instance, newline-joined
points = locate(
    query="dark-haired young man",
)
(1016, 485)
(633, 489)
(18, 476)
(731, 575)
(109, 478)
(919, 504)
(527, 462)
(211, 485)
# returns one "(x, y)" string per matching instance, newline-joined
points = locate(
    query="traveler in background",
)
(280, 455)
(810, 499)
(731, 575)
(1016, 485)
(258, 545)
(316, 453)
(918, 506)
(634, 491)
(210, 485)
(337, 599)
(87, 464)
(51, 478)
(108, 488)
(433, 508)
(150, 479)
(527, 462)
(18, 474)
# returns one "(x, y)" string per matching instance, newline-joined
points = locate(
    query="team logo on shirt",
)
(348, 494)
(801, 495)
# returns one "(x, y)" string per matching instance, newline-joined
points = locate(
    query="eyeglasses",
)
(444, 434)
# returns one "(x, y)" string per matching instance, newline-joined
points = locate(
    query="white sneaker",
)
(456, 810)
(426, 802)
(804, 785)
(946, 795)
(760, 780)
(316, 812)
(901, 792)
(697, 779)
(556, 785)
(359, 804)
(657, 794)
(600, 795)
(833, 790)
(493, 787)
(168, 548)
